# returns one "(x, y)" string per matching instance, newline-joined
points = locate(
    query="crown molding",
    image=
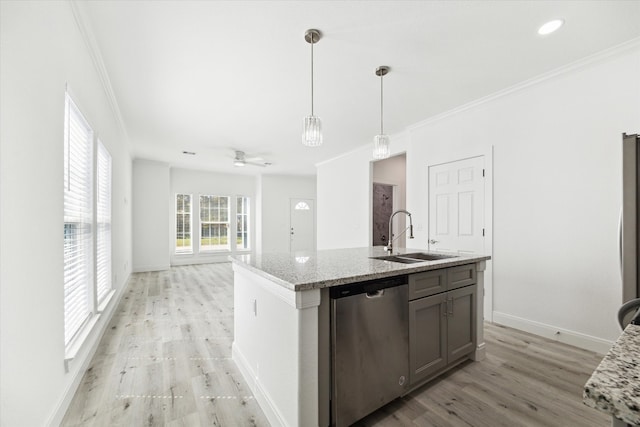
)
(82, 21)
(368, 146)
(573, 66)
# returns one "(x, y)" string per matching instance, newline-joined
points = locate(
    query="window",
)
(302, 206)
(103, 220)
(183, 224)
(214, 223)
(78, 221)
(242, 223)
(220, 218)
(87, 227)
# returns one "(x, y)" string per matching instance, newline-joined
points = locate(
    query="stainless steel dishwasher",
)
(370, 347)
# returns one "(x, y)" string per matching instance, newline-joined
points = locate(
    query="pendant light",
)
(312, 132)
(381, 141)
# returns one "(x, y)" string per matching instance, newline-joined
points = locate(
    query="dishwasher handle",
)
(369, 287)
(375, 294)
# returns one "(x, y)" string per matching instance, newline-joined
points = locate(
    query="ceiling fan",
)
(241, 160)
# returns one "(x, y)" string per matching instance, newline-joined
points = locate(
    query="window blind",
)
(78, 220)
(103, 219)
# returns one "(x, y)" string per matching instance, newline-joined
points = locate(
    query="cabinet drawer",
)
(462, 275)
(427, 283)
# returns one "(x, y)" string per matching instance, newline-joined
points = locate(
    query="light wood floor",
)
(165, 360)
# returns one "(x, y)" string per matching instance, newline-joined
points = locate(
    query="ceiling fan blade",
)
(262, 165)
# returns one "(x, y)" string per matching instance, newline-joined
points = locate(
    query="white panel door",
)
(456, 206)
(302, 228)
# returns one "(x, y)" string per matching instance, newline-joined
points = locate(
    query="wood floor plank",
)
(165, 360)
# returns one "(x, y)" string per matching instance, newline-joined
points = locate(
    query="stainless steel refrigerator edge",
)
(629, 218)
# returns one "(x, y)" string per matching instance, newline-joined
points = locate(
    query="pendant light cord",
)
(312, 42)
(381, 92)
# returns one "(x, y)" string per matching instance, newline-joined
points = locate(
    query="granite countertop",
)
(614, 387)
(325, 268)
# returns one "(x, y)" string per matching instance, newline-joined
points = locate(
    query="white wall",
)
(151, 218)
(277, 190)
(207, 183)
(42, 50)
(344, 197)
(556, 193)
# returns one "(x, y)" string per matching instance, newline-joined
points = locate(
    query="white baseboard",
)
(84, 361)
(145, 268)
(262, 396)
(243, 366)
(200, 260)
(565, 336)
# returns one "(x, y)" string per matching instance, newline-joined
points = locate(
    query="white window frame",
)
(244, 218)
(183, 250)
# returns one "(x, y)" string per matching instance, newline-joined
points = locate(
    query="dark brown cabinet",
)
(442, 325)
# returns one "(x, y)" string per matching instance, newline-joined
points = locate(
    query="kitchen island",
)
(614, 387)
(282, 321)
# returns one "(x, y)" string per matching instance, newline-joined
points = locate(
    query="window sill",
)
(105, 302)
(74, 347)
(72, 350)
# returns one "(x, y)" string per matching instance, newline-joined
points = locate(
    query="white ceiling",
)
(213, 76)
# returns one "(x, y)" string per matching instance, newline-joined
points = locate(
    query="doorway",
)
(388, 194)
(382, 210)
(302, 225)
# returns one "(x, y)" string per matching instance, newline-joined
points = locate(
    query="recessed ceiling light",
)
(550, 27)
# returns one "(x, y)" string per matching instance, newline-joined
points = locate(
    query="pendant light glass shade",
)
(381, 142)
(312, 130)
(381, 147)
(312, 133)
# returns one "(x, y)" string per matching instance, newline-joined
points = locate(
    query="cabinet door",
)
(427, 337)
(461, 322)
(427, 283)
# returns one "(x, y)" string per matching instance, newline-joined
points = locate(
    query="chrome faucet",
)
(389, 247)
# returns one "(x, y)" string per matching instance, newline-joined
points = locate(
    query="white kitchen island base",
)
(282, 345)
(276, 347)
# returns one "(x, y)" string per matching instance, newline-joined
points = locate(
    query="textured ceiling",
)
(213, 76)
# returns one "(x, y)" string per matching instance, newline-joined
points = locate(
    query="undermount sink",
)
(427, 257)
(397, 258)
(413, 257)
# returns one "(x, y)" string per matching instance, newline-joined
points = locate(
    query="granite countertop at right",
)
(614, 387)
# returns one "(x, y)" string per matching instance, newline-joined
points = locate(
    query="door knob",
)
(433, 242)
